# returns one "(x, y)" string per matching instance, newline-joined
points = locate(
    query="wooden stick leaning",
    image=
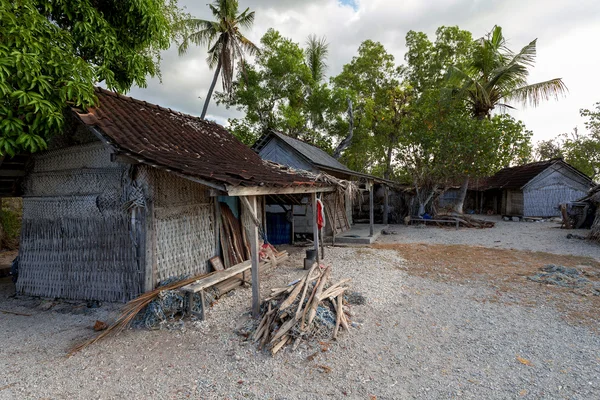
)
(317, 298)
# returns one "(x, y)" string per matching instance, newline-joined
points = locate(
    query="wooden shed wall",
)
(75, 240)
(281, 153)
(554, 186)
(512, 202)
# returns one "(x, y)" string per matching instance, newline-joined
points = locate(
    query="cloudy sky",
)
(568, 33)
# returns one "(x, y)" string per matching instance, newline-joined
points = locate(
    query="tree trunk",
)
(210, 90)
(344, 144)
(462, 194)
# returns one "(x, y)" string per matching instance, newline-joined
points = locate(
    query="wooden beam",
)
(254, 259)
(217, 225)
(262, 190)
(315, 226)
(371, 211)
(386, 206)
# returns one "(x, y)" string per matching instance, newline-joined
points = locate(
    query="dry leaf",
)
(372, 397)
(324, 368)
(522, 392)
(524, 361)
(100, 326)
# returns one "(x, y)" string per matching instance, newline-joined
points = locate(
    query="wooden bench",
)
(441, 221)
(204, 283)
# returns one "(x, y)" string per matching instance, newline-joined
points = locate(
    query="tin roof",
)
(519, 176)
(314, 155)
(185, 144)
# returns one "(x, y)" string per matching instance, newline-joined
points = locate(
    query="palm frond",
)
(245, 19)
(317, 50)
(536, 92)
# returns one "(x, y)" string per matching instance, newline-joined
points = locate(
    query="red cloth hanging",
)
(320, 215)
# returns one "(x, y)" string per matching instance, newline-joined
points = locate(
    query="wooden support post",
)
(293, 234)
(254, 259)
(335, 213)
(386, 195)
(190, 305)
(264, 216)
(217, 226)
(371, 211)
(322, 244)
(315, 226)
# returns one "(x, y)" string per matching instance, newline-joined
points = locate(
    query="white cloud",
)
(567, 33)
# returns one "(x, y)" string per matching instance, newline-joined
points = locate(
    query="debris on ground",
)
(309, 308)
(132, 309)
(465, 221)
(100, 326)
(574, 236)
(568, 277)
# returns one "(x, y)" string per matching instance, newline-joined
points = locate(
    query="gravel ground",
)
(415, 338)
(534, 236)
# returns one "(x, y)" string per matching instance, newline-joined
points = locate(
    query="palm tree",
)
(316, 53)
(494, 74)
(226, 43)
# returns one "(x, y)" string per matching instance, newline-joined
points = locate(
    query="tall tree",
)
(279, 92)
(371, 80)
(495, 75)
(226, 43)
(53, 52)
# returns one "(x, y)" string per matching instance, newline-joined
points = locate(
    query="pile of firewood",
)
(465, 221)
(300, 311)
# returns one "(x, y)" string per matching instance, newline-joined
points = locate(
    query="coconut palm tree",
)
(494, 75)
(316, 53)
(226, 43)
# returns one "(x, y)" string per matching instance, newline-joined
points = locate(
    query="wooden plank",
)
(216, 263)
(386, 206)
(315, 226)
(262, 190)
(254, 259)
(371, 211)
(217, 277)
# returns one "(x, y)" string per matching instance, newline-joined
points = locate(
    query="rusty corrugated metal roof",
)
(183, 143)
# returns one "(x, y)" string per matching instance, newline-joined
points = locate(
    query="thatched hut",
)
(130, 196)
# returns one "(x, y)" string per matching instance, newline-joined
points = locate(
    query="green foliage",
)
(372, 81)
(581, 150)
(428, 62)
(278, 92)
(493, 74)
(10, 222)
(53, 52)
(548, 149)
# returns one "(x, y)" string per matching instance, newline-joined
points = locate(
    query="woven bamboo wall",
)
(183, 225)
(75, 240)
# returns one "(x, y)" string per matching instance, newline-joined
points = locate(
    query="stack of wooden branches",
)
(301, 310)
(465, 221)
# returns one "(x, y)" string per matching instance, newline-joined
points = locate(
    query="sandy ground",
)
(426, 332)
(533, 236)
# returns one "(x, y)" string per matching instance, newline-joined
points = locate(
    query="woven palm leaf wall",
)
(183, 224)
(75, 240)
